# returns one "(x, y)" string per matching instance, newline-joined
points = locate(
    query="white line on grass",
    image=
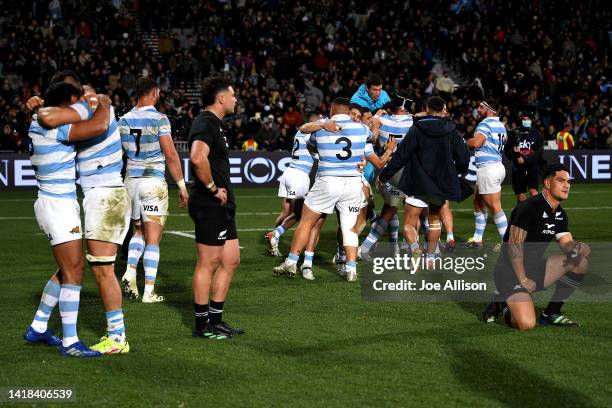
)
(20, 200)
(276, 213)
(186, 234)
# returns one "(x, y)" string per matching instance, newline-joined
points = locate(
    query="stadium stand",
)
(288, 58)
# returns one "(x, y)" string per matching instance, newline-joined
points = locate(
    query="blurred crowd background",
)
(547, 59)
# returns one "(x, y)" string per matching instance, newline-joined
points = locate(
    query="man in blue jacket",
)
(371, 95)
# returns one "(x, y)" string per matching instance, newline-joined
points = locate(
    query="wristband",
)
(210, 185)
(214, 189)
(181, 184)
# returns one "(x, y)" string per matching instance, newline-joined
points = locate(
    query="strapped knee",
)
(435, 226)
(100, 260)
(347, 225)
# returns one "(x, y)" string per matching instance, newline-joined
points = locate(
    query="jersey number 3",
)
(346, 149)
(136, 133)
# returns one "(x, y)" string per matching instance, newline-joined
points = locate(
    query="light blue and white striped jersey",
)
(99, 160)
(396, 125)
(53, 160)
(300, 156)
(368, 150)
(141, 130)
(491, 151)
(340, 152)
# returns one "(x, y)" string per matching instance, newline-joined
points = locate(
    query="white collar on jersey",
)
(145, 107)
(340, 116)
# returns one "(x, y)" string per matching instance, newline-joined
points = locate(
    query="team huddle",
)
(371, 141)
(420, 157)
(76, 129)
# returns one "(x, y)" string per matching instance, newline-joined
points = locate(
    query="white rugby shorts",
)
(489, 178)
(392, 196)
(149, 197)
(59, 219)
(107, 214)
(293, 184)
(415, 202)
(329, 192)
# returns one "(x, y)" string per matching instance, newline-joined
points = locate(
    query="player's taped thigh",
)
(347, 222)
(158, 219)
(100, 260)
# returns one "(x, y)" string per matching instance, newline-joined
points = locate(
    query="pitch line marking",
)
(276, 213)
(31, 200)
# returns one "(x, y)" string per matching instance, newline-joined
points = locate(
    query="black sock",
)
(201, 316)
(507, 316)
(566, 285)
(215, 311)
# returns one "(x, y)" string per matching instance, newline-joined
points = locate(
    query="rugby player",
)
(146, 137)
(522, 268)
(488, 142)
(337, 185)
(58, 215)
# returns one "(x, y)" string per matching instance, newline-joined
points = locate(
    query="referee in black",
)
(522, 267)
(212, 207)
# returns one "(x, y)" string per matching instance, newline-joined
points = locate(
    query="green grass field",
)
(308, 343)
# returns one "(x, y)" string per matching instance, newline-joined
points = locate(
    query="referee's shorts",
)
(214, 224)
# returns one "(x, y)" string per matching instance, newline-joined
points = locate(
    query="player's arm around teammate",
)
(311, 127)
(53, 116)
(69, 255)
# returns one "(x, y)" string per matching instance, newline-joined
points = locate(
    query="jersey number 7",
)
(137, 133)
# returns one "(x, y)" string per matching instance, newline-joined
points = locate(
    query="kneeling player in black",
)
(522, 268)
(212, 207)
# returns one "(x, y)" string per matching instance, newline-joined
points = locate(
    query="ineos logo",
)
(259, 170)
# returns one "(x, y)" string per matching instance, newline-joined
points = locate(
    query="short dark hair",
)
(360, 108)
(374, 80)
(493, 104)
(60, 93)
(435, 104)
(341, 101)
(552, 169)
(144, 85)
(394, 105)
(61, 75)
(211, 88)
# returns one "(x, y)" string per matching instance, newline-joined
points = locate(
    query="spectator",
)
(7, 142)
(250, 145)
(445, 86)
(292, 118)
(515, 51)
(267, 133)
(565, 140)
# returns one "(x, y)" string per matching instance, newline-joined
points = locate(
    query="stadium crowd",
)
(289, 58)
